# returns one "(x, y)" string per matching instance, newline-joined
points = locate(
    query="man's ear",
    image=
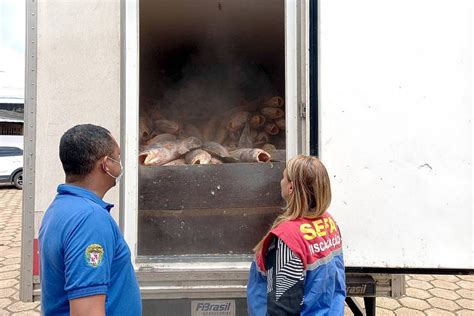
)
(290, 187)
(103, 163)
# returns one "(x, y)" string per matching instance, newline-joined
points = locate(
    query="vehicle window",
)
(10, 151)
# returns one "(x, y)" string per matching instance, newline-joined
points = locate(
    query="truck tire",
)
(18, 180)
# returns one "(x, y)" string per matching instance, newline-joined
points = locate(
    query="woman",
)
(299, 267)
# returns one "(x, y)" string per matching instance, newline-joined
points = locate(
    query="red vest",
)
(312, 239)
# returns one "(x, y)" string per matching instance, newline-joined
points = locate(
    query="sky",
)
(12, 48)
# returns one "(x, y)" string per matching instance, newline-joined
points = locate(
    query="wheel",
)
(18, 180)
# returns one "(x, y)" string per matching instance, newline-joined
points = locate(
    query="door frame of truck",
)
(235, 271)
(29, 265)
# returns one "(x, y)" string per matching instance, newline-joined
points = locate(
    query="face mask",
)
(117, 178)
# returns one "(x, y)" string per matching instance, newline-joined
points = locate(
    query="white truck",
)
(381, 91)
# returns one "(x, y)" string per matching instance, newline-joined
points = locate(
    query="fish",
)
(280, 123)
(251, 155)
(163, 152)
(191, 130)
(274, 102)
(216, 161)
(160, 138)
(166, 126)
(237, 121)
(209, 130)
(215, 149)
(155, 114)
(231, 144)
(234, 135)
(279, 155)
(176, 162)
(145, 129)
(243, 106)
(261, 139)
(272, 113)
(270, 148)
(249, 106)
(245, 140)
(218, 151)
(256, 121)
(221, 133)
(271, 129)
(198, 157)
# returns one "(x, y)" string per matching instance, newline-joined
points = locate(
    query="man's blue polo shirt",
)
(83, 253)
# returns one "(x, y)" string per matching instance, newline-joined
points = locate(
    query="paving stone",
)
(414, 303)
(11, 261)
(417, 293)
(10, 267)
(347, 311)
(443, 304)
(386, 302)
(437, 311)
(14, 255)
(442, 293)
(384, 312)
(21, 306)
(449, 278)
(423, 277)
(466, 293)
(467, 277)
(468, 285)
(4, 312)
(464, 312)
(407, 312)
(420, 284)
(445, 284)
(27, 313)
(9, 275)
(465, 303)
(4, 302)
(12, 251)
(16, 296)
(4, 293)
(7, 283)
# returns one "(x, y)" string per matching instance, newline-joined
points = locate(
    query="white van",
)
(11, 166)
(11, 160)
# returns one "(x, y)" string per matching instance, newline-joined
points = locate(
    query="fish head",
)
(262, 156)
(151, 157)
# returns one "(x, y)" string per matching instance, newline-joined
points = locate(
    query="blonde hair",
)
(311, 194)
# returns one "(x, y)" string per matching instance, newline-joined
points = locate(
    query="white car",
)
(11, 165)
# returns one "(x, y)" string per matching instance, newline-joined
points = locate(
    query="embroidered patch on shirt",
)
(94, 254)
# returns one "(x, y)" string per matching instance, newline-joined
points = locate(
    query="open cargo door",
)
(395, 130)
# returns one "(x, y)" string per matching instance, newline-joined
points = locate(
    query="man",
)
(85, 263)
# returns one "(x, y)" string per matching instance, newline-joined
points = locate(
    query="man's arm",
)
(88, 306)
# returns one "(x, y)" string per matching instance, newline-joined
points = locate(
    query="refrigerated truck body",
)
(380, 91)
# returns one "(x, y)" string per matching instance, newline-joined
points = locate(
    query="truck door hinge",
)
(303, 110)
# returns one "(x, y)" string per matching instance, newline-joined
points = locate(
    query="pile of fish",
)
(242, 134)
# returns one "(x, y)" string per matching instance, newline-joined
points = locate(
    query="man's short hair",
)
(81, 147)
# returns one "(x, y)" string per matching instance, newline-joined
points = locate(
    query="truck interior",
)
(204, 64)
